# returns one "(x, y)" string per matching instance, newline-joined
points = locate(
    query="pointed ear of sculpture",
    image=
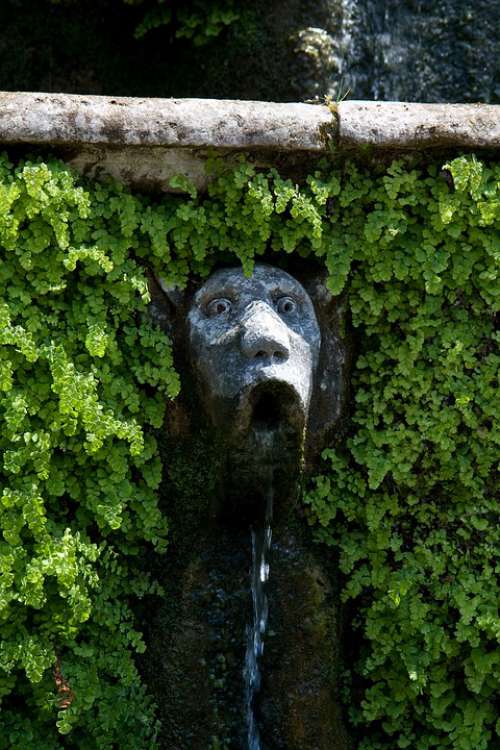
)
(330, 395)
(173, 294)
(168, 305)
(170, 308)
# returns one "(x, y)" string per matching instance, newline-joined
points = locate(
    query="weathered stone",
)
(144, 168)
(70, 120)
(263, 362)
(299, 705)
(248, 333)
(270, 364)
(398, 125)
(145, 142)
(195, 655)
(196, 640)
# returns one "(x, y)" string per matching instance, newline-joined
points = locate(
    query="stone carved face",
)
(266, 341)
(253, 335)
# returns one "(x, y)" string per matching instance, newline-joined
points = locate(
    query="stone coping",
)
(68, 119)
(146, 141)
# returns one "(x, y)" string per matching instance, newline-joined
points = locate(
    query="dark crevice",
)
(267, 411)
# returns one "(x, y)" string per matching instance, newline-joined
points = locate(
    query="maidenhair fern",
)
(407, 502)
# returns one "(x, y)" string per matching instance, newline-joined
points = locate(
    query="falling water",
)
(261, 544)
(424, 50)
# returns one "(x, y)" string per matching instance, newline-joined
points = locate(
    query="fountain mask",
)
(266, 349)
(250, 336)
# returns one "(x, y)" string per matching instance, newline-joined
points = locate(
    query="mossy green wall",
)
(406, 502)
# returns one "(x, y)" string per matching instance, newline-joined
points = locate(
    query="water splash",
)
(261, 544)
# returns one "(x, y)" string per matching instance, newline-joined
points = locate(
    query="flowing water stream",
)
(261, 544)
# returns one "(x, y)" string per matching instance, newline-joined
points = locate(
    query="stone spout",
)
(263, 364)
(266, 366)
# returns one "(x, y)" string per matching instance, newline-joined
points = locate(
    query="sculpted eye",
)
(286, 305)
(218, 306)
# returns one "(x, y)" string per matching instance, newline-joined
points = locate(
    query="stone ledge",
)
(415, 126)
(144, 142)
(70, 120)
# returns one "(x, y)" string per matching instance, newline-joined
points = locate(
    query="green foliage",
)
(408, 501)
(84, 378)
(197, 20)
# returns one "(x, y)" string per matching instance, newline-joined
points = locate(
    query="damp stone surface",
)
(252, 333)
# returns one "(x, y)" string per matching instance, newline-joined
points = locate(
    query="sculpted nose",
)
(264, 335)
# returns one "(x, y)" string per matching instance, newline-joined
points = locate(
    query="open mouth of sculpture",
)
(273, 406)
(266, 452)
